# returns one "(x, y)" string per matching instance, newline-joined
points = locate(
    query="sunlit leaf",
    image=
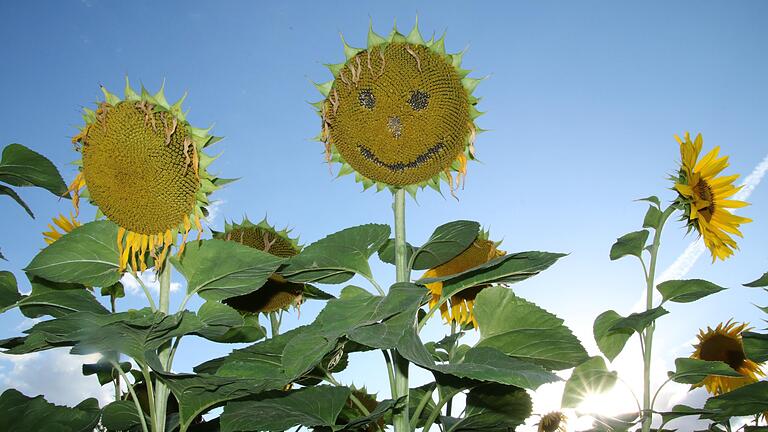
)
(748, 400)
(493, 407)
(693, 371)
(521, 329)
(9, 291)
(652, 217)
(387, 251)
(21, 166)
(87, 255)
(629, 244)
(755, 346)
(448, 241)
(58, 299)
(681, 411)
(589, 378)
(638, 321)
(610, 342)
(686, 291)
(762, 281)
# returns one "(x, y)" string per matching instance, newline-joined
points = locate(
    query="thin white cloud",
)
(149, 278)
(214, 210)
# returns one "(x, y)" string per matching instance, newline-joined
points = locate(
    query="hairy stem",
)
(401, 419)
(422, 403)
(128, 384)
(436, 412)
(648, 339)
(164, 353)
(274, 323)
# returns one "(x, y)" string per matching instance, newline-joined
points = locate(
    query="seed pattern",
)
(137, 173)
(418, 88)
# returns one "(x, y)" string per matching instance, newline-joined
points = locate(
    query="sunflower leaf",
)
(448, 241)
(309, 407)
(590, 377)
(748, 400)
(610, 342)
(337, 257)
(755, 346)
(638, 321)
(5, 190)
(87, 255)
(121, 415)
(652, 217)
(58, 300)
(523, 330)
(492, 407)
(629, 244)
(682, 411)
(762, 281)
(387, 251)
(9, 291)
(36, 414)
(226, 325)
(686, 291)
(21, 166)
(694, 371)
(505, 269)
(220, 269)
(651, 199)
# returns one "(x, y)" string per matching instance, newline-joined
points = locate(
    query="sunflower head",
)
(704, 197)
(65, 224)
(277, 293)
(459, 308)
(553, 422)
(724, 343)
(144, 168)
(399, 113)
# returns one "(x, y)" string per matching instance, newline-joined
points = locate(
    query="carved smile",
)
(402, 166)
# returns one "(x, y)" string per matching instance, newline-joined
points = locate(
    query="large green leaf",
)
(309, 407)
(21, 166)
(226, 325)
(220, 269)
(762, 281)
(755, 346)
(506, 269)
(491, 365)
(588, 378)
(9, 291)
(638, 321)
(629, 244)
(493, 407)
(652, 217)
(448, 241)
(687, 290)
(682, 411)
(121, 416)
(58, 299)
(693, 371)
(748, 400)
(521, 329)
(22, 413)
(610, 342)
(387, 251)
(339, 256)
(5, 190)
(87, 255)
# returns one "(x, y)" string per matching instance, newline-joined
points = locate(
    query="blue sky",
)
(582, 101)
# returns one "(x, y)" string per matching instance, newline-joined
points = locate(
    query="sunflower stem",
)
(164, 352)
(648, 339)
(401, 419)
(274, 323)
(128, 384)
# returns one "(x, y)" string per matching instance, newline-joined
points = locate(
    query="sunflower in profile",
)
(399, 113)
(704, 197)
(144, 168)
(460, 307)
(65, 224)
(553, 422)
(277, 293)
(723, 343)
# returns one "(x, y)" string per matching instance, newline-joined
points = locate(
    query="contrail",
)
(688, 258)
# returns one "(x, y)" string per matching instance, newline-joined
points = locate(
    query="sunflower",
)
(66, 225)
(277, 293)
(399, 113)
(462, 303)
(724, 344)
(144, 169)
(704, 197)
(553, 422)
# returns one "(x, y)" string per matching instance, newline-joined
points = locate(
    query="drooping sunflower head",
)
(460, 307)
(277, 293)
(144, 167)
(704, 196)
(399, 113)
(66, 224)
(553, 422)
(724, 343)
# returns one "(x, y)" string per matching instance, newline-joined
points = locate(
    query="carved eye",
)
(366, 98)
(419, 100)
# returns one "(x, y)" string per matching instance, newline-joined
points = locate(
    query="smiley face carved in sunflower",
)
(399, 113)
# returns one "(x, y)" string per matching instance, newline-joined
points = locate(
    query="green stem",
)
(436, 412)
(164, 353)
(401, 419)
(390, 373)
(648, 339)
(128, 384)
(145, 289)
(274, 324)
(422, 403)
